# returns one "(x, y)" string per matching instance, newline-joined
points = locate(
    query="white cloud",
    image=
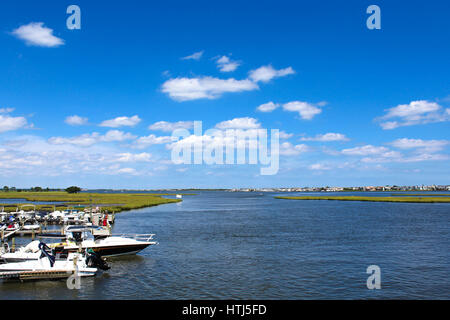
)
(184, 89)
(413, 158)
(171, 126)
(425, 157)
(131, 171)
(284, 135)
(365, 150)
(288, 149)
(35, 157)
(388, 125)
(84, 140)
(89, 139)
(306, 110)
(239, 123)
(206, 141)
(144, 142)
(424, 151)
(267, 73)
(76, 120)
(237, 139)
(130, 157)
(225, 64)
(121, 122)
(377, 154)
(319, 166)
(327, 137)
(6, 110)
(428, 145)
(194, 56)
(116, 135)
(35, 34)
(268, 107)
(8, 123)
(414, 113)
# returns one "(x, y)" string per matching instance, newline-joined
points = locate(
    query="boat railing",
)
(146, 237)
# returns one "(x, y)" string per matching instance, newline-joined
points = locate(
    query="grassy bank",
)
(109, 201)
(426, 199)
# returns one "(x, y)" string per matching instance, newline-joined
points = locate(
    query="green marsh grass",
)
(116, 202)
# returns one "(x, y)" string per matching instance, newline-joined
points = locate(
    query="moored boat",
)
(48, 266)
(97, 239)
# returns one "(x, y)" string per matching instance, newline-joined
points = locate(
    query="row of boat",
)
(69, 216)
(81, 248)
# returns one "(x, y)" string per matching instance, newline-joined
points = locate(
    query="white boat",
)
(179, 196)
(96, 238)
(54, 215)
(68, 216)
(11, 226)
(24, 215)
(102, 242)
(31, 227)
(72, 217)
(86, 265)
(30, 252)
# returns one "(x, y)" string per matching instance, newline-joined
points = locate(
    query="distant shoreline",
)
(408, 199)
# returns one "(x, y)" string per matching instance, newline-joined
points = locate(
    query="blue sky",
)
(355, 106)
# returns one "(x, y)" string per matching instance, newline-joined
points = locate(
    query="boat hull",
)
(104, 251)
(116, 250)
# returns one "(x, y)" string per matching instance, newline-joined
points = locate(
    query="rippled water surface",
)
(223, 245)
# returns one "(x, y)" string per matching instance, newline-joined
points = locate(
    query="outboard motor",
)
(94, 260)
(77, 237)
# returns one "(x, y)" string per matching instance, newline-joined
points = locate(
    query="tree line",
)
(72, 189)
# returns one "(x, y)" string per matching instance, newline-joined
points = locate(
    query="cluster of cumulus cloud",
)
(104, 152)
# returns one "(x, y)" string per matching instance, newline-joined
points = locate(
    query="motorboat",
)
(69, 217)
(73, 217)
(100, 241)
(31, 226)
(84, 265)
(29, 252)
(24, 215)
(97, 239)
(13, 226)
(54, 215)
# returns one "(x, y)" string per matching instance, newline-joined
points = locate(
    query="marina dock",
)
(6, 235)
(35, 275)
